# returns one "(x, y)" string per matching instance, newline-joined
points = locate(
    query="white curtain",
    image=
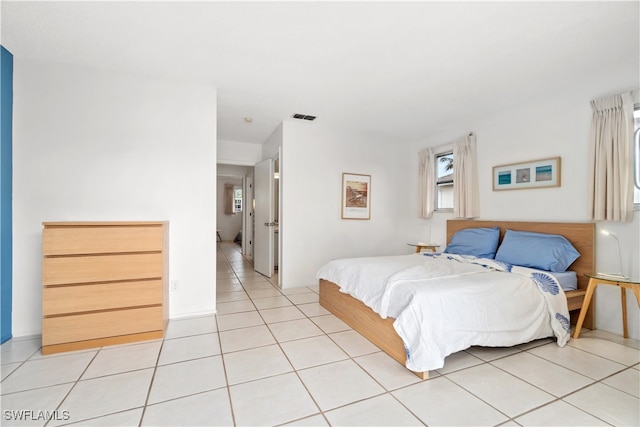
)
(228, 199)
(426, 184)
(610, 158)
(465, 178)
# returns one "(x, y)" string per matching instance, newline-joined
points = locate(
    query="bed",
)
(381, 331)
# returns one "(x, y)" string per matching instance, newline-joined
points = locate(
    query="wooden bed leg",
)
(422, 375)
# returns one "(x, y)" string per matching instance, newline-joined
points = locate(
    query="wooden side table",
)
(602, 279)
(420, 246)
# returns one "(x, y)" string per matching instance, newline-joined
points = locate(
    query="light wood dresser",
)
(103, 283)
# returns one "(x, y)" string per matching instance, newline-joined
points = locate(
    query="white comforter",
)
(444, 303)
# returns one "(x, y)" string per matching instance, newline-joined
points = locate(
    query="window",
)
(636, 155)
(444, 180)
(237, 200)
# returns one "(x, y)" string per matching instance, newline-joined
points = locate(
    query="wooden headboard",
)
(580, 234)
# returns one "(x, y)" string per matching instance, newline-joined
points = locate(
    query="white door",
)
(247, 233)
(264, 221)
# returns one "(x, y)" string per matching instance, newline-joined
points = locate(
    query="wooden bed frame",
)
(381, 332)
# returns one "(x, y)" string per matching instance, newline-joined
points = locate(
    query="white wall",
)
(271, 147)
(238, 153)
(314, 158)
(233, 170)
(93, 145)
(542, 128)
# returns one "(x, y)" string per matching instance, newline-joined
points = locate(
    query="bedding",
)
(443, 303)
(481, 242)
(550, 252)
(568, 279)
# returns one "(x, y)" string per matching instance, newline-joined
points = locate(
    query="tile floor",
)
(272, 357)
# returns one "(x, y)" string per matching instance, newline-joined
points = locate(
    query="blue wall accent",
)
(6, 173)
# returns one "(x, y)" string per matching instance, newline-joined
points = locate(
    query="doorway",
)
(234, 212)
(264, 230)
(268, 219)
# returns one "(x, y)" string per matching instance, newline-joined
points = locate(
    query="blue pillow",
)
(550, 252)
(480, 242)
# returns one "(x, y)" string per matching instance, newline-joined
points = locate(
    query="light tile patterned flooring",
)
(272, 357)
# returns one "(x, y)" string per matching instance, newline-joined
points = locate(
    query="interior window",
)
(444, 180)
(237, 200)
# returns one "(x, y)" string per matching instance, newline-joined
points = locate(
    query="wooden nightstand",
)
(602, 279)
(420, 246)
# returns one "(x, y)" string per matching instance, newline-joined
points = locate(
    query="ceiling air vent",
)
(304, 117)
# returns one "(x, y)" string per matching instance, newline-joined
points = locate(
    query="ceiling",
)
(395, 69)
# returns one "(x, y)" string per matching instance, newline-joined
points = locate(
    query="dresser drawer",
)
(101, 296)
(81, 327)
(87, 269)
(104, 283)
(61, 240)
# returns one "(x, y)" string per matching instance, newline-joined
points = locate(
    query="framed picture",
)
(533, 174)
(356, 196)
